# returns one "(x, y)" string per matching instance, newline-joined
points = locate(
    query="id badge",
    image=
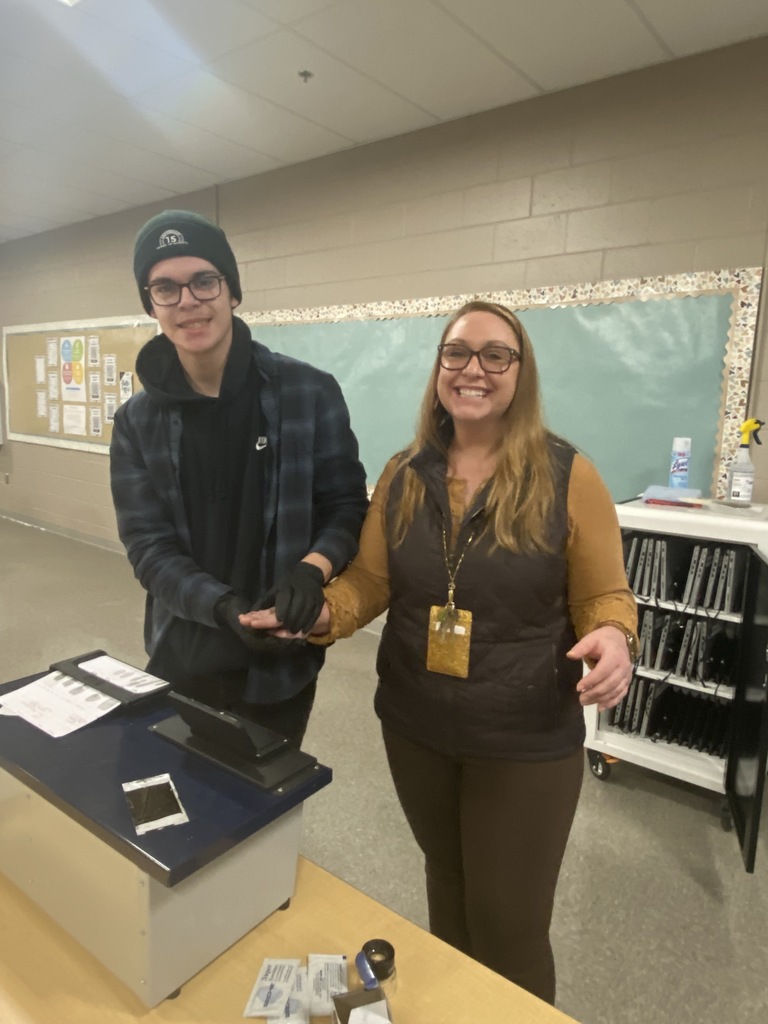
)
(448, 645)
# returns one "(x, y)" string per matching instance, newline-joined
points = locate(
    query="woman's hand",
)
(605, 648)
(266, 619)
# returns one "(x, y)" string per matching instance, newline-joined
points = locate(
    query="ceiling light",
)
(70, 3)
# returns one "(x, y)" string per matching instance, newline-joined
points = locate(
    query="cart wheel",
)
(600, 768)
(726, 818)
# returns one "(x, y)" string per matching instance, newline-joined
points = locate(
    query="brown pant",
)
(493, 833)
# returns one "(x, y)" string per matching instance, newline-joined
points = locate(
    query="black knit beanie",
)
(182, 233)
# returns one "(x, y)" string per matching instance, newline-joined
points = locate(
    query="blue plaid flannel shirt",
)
(315, 500)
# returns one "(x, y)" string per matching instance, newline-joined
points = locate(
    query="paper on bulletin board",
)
(73, 421)
(94, 350)
(73, 369)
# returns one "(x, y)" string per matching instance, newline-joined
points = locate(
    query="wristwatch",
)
(632, 645)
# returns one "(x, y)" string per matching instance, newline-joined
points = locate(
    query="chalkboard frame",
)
(742, 285)
(729, 409)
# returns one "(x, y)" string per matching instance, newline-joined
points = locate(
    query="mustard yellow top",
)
(598, 592)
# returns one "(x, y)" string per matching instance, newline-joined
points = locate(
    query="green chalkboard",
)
(622, 380)
(619, 379)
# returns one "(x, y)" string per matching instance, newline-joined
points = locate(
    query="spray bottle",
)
(681, 461)
(741, 476)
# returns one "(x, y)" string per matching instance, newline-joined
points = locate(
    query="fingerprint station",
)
(78, 835)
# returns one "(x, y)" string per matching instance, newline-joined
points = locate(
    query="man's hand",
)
(227, 612)
(298, 598)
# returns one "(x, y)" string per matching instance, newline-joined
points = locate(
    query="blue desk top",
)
(82, 774)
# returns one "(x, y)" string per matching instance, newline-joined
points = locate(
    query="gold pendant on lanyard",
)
(450, 628)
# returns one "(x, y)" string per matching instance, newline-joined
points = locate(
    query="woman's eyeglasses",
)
(492, 359)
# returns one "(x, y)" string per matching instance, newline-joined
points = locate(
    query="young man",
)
(236, 483)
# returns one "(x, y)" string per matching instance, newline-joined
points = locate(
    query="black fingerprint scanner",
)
(235, 743)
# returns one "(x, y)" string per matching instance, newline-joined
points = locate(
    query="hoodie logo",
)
(171, 237)
(261, 443)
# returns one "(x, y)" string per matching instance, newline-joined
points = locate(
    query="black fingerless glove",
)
(226, 612)
(299, 598)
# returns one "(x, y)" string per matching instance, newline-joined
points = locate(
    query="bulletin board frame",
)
(118, 341)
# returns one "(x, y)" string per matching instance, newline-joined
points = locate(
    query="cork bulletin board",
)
(64, 381)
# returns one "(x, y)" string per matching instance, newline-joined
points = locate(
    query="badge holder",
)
(450, 628)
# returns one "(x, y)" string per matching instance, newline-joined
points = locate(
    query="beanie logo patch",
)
(171, 237)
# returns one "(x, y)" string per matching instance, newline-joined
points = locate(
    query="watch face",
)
(633, 646)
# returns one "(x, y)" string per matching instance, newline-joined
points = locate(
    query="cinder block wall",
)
(658, 171)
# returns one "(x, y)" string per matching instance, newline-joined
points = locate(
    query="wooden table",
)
(47, 977)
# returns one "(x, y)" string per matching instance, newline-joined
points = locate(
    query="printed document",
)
(57, 704)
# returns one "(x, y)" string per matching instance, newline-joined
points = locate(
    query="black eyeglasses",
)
(202, 287)
(492, 359)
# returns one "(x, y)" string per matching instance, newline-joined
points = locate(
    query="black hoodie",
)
(221, 482)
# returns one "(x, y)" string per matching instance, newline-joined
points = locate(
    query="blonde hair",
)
(522, 489)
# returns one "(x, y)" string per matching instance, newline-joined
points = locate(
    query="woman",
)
(494, 545)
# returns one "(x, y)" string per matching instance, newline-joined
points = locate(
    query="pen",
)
(674, 504)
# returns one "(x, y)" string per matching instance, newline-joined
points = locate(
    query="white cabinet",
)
(697, 708)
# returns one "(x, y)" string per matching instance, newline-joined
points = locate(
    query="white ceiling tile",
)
(690, 26)
(13, 214)
(22, 206)
(80, 46)
(414, 49)
(32, 27)
(19, 83)
(6, 148)
(72, 150)
(157, 132)
(72, 168)
(55, 94)
(9, 234)
(142, 165)
(22, 125)
(112, 103)
(336, 96)
(205, 101)
(19, 227)
(560, 44)
(77, 202)
(289, 11)
(39, 160)
(63, 98)
(192, 30)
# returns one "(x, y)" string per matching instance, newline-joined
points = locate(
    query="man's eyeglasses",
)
(493, 359)
(202, 287)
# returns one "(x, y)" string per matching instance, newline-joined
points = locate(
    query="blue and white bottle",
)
(681, 460)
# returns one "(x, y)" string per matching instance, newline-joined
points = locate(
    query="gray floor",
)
(656, 919)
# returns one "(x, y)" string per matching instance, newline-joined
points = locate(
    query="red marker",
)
(674, 504)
